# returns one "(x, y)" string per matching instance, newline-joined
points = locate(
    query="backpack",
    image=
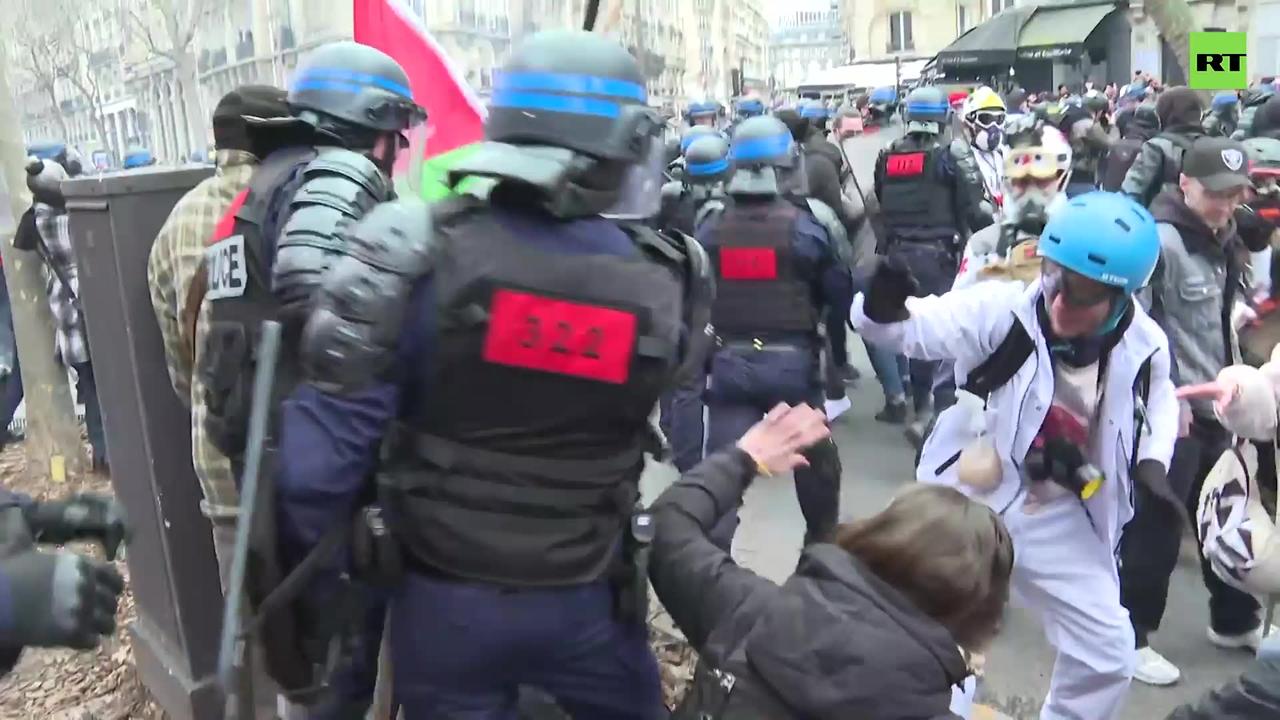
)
(1118, 161)
(1172, 166)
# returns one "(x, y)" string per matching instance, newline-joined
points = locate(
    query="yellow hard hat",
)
(984, 98)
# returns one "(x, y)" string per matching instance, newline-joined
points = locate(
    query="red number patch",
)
(905, 165)
(561, 337)
(748, 263)
(1270, 214)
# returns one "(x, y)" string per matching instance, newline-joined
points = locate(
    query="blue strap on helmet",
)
(342, 80)
(707, 168)
(565, 93)
(761, 149)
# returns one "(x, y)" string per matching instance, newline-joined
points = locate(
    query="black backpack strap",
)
(1173, 165)
(1141, 390)
(1001, 365)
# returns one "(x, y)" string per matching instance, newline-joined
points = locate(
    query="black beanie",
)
(237, 110)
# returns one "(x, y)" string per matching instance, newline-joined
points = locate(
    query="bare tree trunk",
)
(53, 434)
(57, 112)
(1175, 22)
(189, 78)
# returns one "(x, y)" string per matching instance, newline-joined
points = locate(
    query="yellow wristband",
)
(761, 468)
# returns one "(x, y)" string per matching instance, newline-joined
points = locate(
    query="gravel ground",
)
(63, 684)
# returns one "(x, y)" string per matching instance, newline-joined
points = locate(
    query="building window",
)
(962, 19)
(999, 6)
(900, 32)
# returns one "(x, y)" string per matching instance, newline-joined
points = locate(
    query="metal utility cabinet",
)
(114, 220)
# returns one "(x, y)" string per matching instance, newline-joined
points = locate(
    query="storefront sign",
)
(1050, 52)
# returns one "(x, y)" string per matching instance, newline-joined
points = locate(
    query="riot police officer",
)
(353, 104)
(777, 271)
(706, 165)
(705, 113)
(676, 149)
(501, 356)
(746, 108)
(933, 197)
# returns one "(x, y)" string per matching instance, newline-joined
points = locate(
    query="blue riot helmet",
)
(815, 113)
(706, 161)
(1223, 101)
(927, 110)
(569, 118)
(353, 93)
(766, 159)
(695, 132)
(704, 113)
(749, 108)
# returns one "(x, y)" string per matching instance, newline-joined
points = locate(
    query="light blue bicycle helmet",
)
(1105, 237)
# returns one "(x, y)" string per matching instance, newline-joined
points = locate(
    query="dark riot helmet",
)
(576, 90)
(706, 160)
(927, 110)
(354, 93)
(765, 157)
(696, 132)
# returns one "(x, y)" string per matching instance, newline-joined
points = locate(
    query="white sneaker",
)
(1244, 641)
(836, 408)
(1154, 669)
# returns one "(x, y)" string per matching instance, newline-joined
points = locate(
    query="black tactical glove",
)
(887, 292)
(84, 516)
(52, 599)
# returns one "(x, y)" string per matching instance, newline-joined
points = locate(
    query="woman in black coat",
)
(871, 626)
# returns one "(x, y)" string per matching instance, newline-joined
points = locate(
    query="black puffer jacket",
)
(1255, 695)
(833, 643)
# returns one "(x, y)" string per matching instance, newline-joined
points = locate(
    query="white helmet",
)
(1035, 149)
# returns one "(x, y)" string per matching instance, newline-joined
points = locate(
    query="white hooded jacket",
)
(967, 326)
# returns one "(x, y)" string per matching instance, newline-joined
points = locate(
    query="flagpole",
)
(593, 9)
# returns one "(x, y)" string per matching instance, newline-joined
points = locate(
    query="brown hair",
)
(950, 556)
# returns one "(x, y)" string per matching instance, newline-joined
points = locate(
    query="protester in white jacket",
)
(1064, 366)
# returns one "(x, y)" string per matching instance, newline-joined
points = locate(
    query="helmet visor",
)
(1076, 290)
(640, 196)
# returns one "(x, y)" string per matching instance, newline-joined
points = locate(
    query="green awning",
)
(992, 43)
(1060, 31)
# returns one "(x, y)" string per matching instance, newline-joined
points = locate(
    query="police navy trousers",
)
(742, 386)
(462, 650)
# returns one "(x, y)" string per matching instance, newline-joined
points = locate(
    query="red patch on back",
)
(743, 263)
(227, 225)
(905, 165)
(559, 336)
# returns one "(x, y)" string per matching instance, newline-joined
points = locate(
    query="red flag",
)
(455, 116)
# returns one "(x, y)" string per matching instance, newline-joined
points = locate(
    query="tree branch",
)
(147, 38)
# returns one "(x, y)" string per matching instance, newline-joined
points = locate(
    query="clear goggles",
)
(1076, 290)
(987, 118)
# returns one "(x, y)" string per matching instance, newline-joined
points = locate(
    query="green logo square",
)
(1219, 61)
